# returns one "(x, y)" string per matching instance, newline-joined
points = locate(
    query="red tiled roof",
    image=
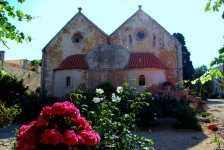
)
(144, 60)
(73, 62)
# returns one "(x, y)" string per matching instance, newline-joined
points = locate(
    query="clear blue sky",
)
(203, 32)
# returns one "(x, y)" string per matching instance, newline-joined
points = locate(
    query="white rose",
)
(99, 91)
(119, 89)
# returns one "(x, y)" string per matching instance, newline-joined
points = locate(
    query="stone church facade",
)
(81, 55)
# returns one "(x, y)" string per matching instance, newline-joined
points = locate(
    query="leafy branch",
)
(213, 6)
(7, 29)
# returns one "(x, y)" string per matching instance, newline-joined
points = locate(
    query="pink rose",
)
(28, 141)
(88, 127)
(73, 112)
(71, 109)
(70, 138)
(90, 138)
(82, 122)
(58, 109)
(51, 136)
(25, 129)
(41, 121)
(47, 110)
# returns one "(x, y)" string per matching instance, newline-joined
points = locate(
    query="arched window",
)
(141, 80)
(68, 81)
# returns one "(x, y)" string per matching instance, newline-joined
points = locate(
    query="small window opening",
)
(141, 80)
(140, 36)
(130, 39)
(154, 39)
(77, 37)
(68, 81)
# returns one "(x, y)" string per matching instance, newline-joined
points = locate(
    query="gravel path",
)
(167, 138)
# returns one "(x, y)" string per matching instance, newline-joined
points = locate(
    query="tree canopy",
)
(213, 71)
(214, 6)
(202, 89)
(7, 29)
(199, 71)
(188, 69)
(36, 61)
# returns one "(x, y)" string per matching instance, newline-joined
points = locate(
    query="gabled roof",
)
(100, 30)
(73, 62)
(79, 12)
(139, 11)
(144, 60)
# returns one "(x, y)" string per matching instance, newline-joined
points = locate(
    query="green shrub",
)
(107, 87)
(205, 114)
(113, 126)
(32, 104)
(167, 105)
(186, 117)
(11, 89)
(152, 112)
(7, 114)
(13, 93)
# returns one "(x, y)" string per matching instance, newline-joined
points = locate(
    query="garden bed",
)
(163, 135)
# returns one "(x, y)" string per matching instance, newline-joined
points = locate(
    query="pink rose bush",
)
(57, 127)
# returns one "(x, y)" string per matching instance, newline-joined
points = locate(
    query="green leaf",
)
(7, 29)
(193, 82)
(20, 15)
(21, 1)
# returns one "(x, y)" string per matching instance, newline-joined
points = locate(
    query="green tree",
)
(213, 71)
(188, 69)
(205, 89)
(214, 6)
(7, 29)
(36, 61)
(199, 71)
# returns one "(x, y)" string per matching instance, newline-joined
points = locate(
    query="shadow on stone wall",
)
(30, 78)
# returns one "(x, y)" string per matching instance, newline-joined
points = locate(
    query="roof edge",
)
(140, 10)
(79, 12)
(125, 22)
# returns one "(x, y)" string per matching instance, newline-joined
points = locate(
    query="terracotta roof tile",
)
(144, 60)
(73, 62)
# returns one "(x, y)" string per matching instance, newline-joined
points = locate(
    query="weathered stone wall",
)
(140, 33)
(30, 78)
(62, 46)
(20, 64)
(108, 57)
(116, 77)
(85, 80)
(155, 40)
(88, 79)
(152, 77)
(60, 88)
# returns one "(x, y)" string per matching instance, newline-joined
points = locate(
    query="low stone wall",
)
(30, 78)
